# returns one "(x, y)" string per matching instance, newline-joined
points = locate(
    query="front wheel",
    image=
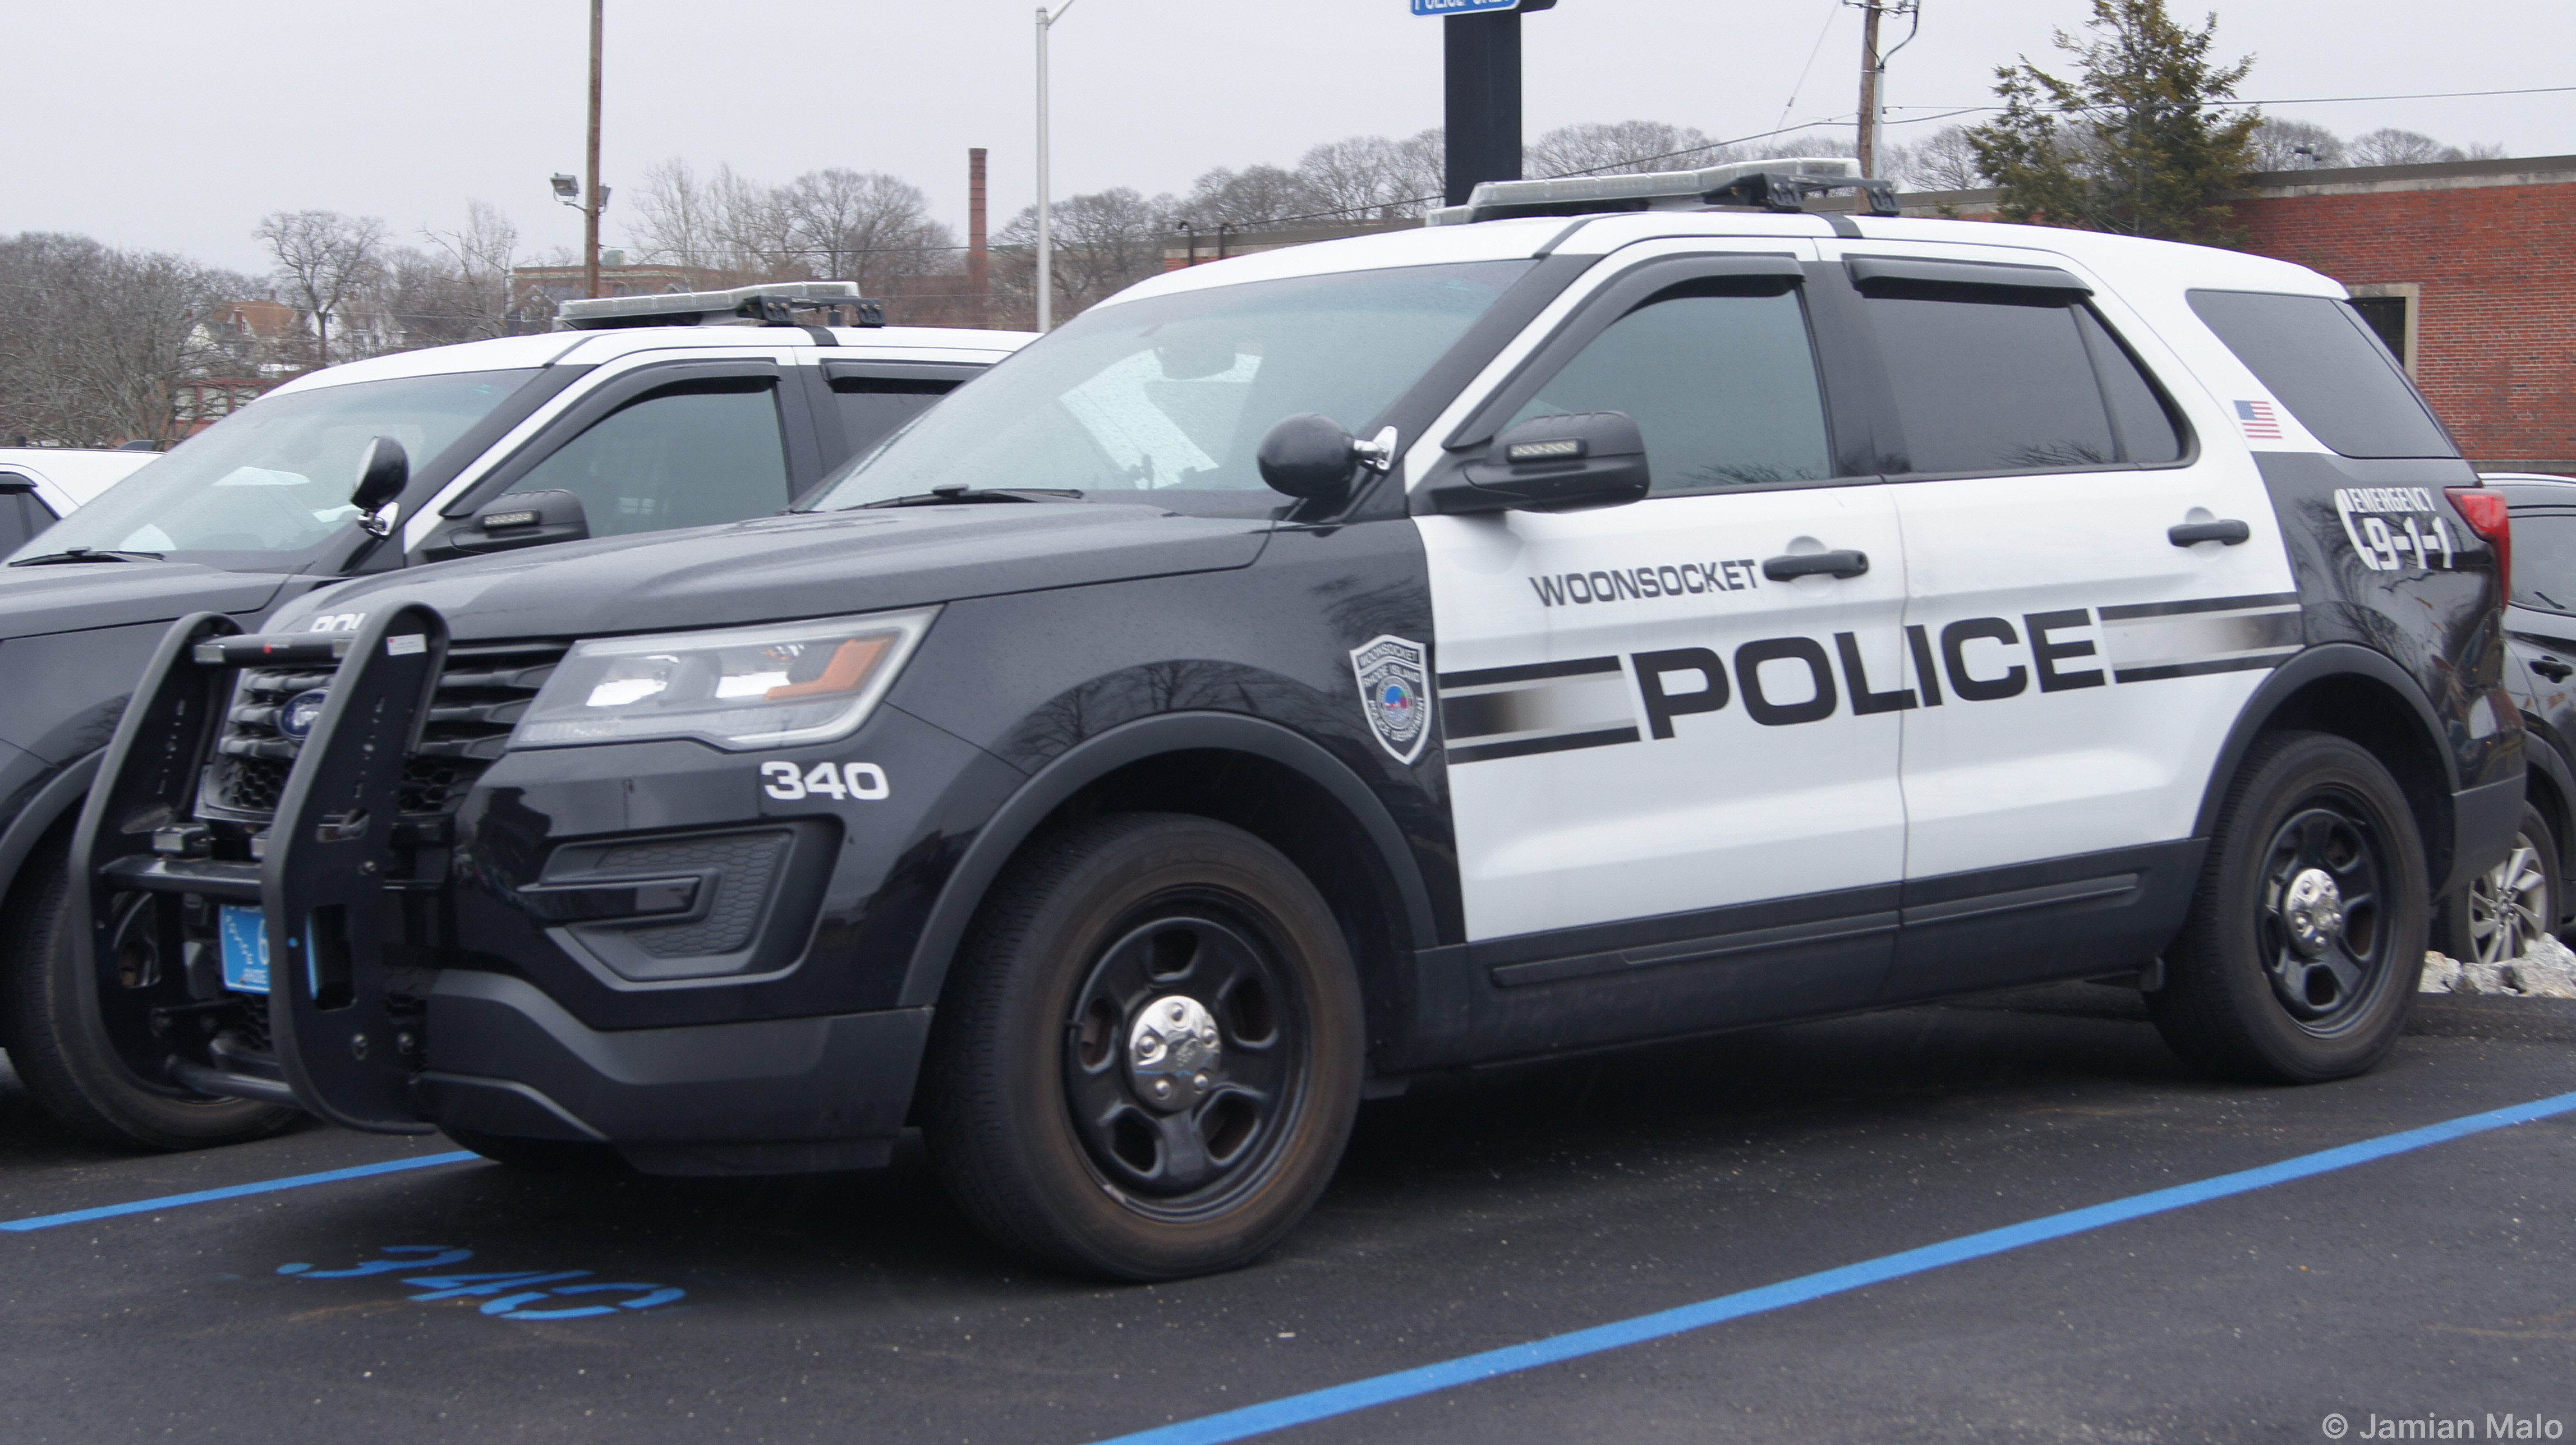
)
(102, 1073)
(2301, 955)
(1148, 1058)
(2504, 910)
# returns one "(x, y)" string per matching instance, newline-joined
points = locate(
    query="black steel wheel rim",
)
(1219, 1135)
(2326, 978)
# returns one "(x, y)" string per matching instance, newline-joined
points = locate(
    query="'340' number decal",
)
(788, 783)
(529, 1294)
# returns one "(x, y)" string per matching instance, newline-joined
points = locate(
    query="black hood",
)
(822, 564)
(80, 596)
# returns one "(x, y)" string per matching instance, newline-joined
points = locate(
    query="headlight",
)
(773, 686)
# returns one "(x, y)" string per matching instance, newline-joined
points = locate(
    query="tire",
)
(2265, 984)
(1103, 958)
(69, 1059)
(2498, 914)
(546, 1156)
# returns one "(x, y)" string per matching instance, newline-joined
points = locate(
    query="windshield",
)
(1166, 399)
(262, 489)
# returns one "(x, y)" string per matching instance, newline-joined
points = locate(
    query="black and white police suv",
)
(640, 413)
(1708, 617)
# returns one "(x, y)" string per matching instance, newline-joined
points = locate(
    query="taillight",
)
(2490, 517)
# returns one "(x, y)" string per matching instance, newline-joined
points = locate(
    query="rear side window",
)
(873, 407)
(2544, 561)
(2322, 362)
(1998, 381)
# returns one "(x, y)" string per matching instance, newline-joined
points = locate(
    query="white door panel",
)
(1588, 787)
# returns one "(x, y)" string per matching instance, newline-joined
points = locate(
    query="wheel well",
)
(16, 905)
(2365, 712)
(1290, 812)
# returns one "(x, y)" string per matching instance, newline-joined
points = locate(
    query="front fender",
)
(1027, 810)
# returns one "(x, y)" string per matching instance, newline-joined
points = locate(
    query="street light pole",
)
(590, 192)
(1046, 233)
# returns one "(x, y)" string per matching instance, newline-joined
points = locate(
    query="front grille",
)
(482, 691)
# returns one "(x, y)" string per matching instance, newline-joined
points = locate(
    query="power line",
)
(2301, 100)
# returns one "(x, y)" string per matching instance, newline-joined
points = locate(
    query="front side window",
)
(2319, 359)
(265, 488)
(685, 456)
(1722, 386)
(1166, 399)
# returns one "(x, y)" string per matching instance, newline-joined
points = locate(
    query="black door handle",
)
(1816, 564)
(2229, 532)
(2551, 668)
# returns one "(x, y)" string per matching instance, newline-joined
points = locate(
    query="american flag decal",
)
(2260, 425)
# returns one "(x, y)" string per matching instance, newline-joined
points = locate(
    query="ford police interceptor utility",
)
(1298, 673)
(636, 416)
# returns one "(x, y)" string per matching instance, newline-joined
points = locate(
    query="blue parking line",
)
(236, 1191)
(1377, 1390)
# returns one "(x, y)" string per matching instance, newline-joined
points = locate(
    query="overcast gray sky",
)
(177, 124)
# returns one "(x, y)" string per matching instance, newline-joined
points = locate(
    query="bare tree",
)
(323, 257)
(2282, 144)
(1257, 195)
(96, 344)
(479, 257)
(1941, 161)
(675, 217)
(1103, 242)
(2389, 146)
(1625, 147)
(865, 227)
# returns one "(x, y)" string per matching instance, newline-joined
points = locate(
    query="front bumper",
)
(777, 1096)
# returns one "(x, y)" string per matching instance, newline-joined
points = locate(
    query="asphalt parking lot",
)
(2436, 1282)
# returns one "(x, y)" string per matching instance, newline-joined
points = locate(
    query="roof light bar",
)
(1769, 185)
(771, 304)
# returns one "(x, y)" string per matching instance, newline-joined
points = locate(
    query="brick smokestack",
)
(978, 256)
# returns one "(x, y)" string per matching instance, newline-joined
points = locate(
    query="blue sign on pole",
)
(1460, 7)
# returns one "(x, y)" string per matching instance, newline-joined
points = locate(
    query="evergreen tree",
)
(2139, 142)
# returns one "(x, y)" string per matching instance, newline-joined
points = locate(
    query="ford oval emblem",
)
(296, 719)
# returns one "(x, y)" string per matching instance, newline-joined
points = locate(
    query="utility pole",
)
(591, 195)
(978, 255)
(1873, 74)
(1870, 67)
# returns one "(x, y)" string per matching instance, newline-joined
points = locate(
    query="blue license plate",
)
(245, 941)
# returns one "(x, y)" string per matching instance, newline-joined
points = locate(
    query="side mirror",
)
(521, 519)
(383, 468)
(1552, 464)
(1309, 456)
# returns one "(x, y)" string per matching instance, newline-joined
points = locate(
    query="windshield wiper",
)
(86, 554)
(938, 495)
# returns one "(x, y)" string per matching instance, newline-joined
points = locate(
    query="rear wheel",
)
(2301, 955)
(2501, 912)
(1148, 1058)
(103, 1073)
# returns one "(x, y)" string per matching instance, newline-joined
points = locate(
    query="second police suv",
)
(1712, 614)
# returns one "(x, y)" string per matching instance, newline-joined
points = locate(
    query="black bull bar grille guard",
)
(321, 879)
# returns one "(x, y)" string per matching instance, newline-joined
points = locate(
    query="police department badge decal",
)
(1395, 692)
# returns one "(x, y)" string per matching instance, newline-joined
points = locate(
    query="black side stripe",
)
(1523, 747)
(2197, 604)
(1530, 672)
(2198, 669)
